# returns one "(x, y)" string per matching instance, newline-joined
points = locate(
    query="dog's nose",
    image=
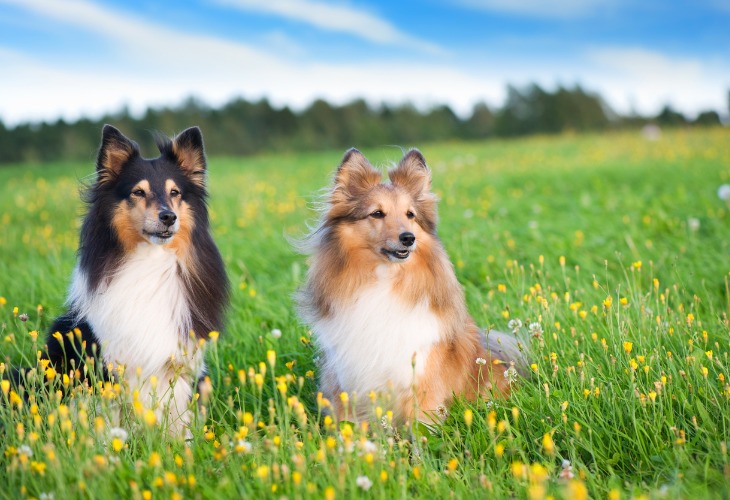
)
(407, 239)
(168, 217)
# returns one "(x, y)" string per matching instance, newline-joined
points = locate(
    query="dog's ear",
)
(354, 176)
(189, 153)
(412, 174)
(115, 151)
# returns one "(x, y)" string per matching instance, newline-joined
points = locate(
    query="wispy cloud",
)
(565, 9)
(147, 63)
(335, 17)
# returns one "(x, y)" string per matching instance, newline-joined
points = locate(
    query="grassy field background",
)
(616, 246)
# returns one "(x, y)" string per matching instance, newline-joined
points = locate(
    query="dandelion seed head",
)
(511, 374)
(276, 333)
(118, 433)
(364, 483)
(481, 361)
(723, 192)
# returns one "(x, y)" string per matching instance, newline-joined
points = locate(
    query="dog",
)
(384, 303)
(149, 283)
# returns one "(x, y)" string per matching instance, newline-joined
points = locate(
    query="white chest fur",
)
(369, 342)
(141, 317)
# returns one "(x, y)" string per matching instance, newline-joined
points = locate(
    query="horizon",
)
(86, 59)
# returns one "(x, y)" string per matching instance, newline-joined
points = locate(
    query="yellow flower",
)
(548, 444)
(452, 465)
(38, 467)
(213, 336)
(628, 346)
(499, 450)
(576, 490)
(271, 358)
(607, 302)
(117, 445)
(329, 493)
(468, 417)
(344, 397)
(155, 460)
(296, 477)
(262, 472)
(518, 470)
(5, 385)
(150, 418)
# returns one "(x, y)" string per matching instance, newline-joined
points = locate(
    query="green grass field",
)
(618, 247)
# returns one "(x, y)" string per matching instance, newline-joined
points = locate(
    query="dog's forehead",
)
(390, 194)
(157, 172)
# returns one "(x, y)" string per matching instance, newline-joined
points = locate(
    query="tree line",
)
(241, 127)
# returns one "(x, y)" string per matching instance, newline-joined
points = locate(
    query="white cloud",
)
(333, 17)
(647, 80)
(567, 9)
(147, 63)
(150, 64)
(76, 92)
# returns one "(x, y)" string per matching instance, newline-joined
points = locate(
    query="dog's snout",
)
(168, 217)
(407, 239)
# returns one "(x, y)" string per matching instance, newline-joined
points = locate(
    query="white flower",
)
(364, 482)
(511, 374)
(442, 411)
(567, 472)
(693, 223)
(46, 496)
(481, 361)
(118, 433)
(369, 447)
(723, 192)
(243, 446)
(535, 329)
(25, 450)
(276, 333)
(514, 325)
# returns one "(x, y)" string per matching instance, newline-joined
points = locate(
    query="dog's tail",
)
(509, 349)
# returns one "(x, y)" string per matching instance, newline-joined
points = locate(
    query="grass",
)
(615, 246)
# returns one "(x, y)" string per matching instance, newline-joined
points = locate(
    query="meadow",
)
(611, 250)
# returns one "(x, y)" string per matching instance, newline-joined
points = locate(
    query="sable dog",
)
(383, 301)
(149, 281)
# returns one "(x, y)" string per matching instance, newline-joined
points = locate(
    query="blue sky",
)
(72, 58)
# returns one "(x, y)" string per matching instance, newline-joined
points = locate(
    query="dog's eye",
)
(378, 214)
(138, 192)
(174, 193)
(410, 214)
